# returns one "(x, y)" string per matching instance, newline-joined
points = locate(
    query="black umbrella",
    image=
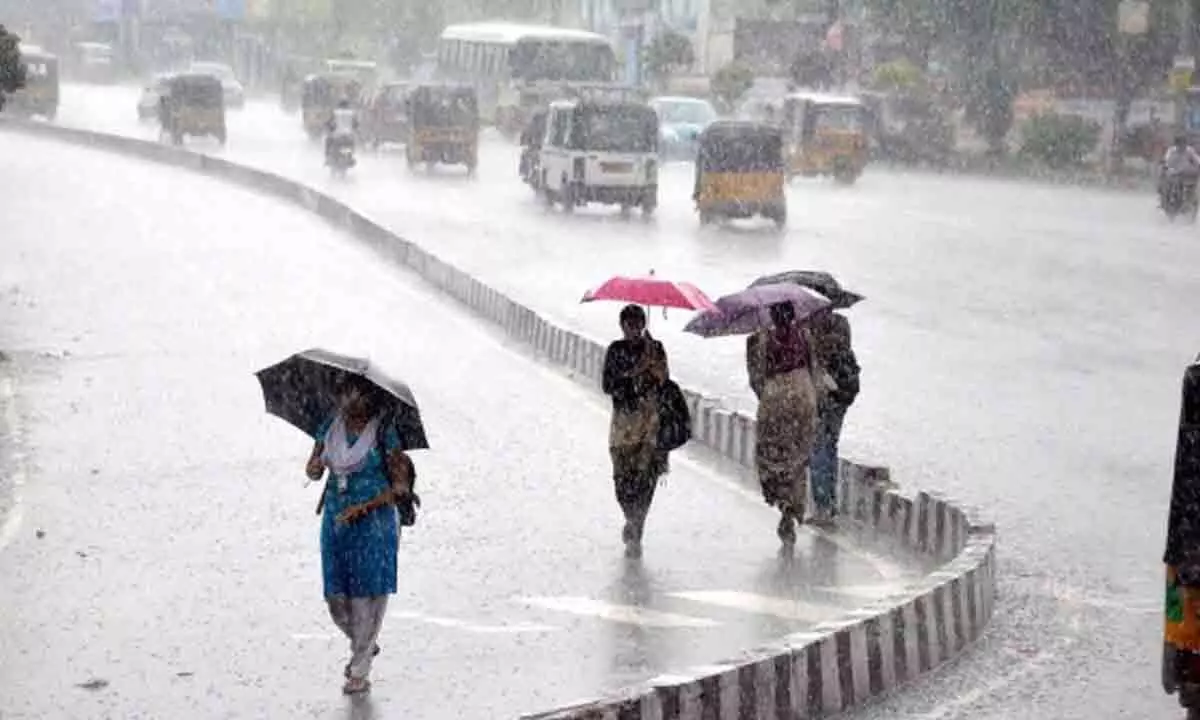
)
(822, 282)
(303, 391)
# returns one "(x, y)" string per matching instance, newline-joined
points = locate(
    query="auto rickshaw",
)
(385, 118)
(40, 94)
(321, 94)
(826, 135)
(740, 172)
(192, 104)
(1181, 629)
(444, 126)
(531, 148)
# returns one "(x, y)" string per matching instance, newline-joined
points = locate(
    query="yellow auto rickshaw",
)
(192, 104)
(740, 172)
(826, 135)
(321, 94)
(443, 126)
(40, 94)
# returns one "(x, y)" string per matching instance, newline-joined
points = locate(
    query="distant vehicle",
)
(825, 135)
(517, 69)
(147, 105)
(444, 126)
(365, 71)
(192, 104)
(40, 94)
(320, 94)
(680, 122)
(235, 94)
(600, 152)
(384, 117)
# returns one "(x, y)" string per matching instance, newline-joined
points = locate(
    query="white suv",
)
(604, 152)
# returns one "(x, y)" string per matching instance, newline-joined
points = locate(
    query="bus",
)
(517, 68)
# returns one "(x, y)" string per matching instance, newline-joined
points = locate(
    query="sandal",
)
(356, 686)
(346, 672)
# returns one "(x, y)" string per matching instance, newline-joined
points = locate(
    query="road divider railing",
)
(837, 665)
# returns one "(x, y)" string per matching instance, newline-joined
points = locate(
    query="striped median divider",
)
(835, 666)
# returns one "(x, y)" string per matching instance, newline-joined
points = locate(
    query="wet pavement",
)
(1022, 346)
(166, 564)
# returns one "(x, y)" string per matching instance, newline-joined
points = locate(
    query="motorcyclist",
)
(341, 128)
(1181, 163)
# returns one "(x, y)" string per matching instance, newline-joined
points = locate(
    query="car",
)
(680, 122)
(147, 105)
(235, 94)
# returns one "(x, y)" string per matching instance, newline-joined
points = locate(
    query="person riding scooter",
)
(341, 129)
(1180, 169)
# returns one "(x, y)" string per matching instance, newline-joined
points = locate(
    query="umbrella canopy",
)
(822, 282)
(303, 391)
(748, 311)
(653, 292)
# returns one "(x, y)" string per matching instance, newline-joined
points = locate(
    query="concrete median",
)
(840, 664)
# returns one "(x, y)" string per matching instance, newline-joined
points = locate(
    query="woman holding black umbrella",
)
(368, 474)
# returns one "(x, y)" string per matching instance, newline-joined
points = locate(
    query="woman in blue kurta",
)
(368, 473)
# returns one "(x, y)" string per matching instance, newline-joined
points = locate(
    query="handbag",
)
(674, 419)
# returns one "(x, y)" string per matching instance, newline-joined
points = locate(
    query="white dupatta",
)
(344, 459)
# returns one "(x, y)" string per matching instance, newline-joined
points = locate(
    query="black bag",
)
(674, 420)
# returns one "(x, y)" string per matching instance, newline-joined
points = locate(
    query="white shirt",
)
(1177, 161)
(343, 121)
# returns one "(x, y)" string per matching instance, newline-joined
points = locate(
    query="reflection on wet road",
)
(167, 559)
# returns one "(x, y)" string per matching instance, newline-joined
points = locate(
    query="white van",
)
(604, 152)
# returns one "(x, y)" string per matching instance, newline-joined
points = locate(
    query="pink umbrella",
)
(652, 292)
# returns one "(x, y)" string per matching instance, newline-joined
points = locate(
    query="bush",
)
(1059, 140)
(731, 82)
(896, 76)
(12, 71)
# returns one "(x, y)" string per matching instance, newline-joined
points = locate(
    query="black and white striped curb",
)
(807, 675)
(843, 663)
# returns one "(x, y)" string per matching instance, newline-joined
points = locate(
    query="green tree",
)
(12, 70)
(668, 54)
(731, 82)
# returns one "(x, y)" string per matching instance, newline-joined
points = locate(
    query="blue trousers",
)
(823, 465)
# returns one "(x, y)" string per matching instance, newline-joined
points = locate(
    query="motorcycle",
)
(339, 157)
(1178, 197)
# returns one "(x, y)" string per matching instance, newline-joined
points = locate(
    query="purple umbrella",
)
(748, 311)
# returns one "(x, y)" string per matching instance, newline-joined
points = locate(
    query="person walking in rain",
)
(369, 472)
(831, 339)
(635, 369)
(778, 363)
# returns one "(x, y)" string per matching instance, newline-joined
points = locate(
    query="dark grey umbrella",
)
(822, 282)
(303, 391)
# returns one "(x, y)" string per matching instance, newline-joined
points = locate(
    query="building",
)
(764, 33)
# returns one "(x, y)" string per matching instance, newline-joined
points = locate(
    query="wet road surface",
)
(1022, 346)
(167, 565)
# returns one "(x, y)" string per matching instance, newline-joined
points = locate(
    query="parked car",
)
(147, 105)
(680, 122)
(235, 94)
